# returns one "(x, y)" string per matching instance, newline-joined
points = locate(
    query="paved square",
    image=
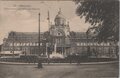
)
(60, 71)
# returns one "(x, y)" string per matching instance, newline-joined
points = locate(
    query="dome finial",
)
(59, 11)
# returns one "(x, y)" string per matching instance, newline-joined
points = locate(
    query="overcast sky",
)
(22, 16)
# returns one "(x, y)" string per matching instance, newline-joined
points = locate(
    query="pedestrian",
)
(40, 64)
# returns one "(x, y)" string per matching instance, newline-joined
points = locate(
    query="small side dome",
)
(60, 19)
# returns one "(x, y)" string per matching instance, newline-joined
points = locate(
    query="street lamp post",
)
(39, 35)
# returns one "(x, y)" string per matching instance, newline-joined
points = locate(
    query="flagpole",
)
(48, 20)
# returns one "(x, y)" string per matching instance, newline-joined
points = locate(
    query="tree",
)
(103, 14)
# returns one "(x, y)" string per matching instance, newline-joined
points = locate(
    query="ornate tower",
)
(60, 33)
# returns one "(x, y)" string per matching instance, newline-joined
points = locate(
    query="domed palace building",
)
(59, 40)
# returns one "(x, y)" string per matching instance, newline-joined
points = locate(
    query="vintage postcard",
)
(59, 38)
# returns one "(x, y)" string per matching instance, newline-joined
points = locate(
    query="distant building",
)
(67, 42)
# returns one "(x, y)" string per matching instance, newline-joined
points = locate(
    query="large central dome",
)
(60, 19)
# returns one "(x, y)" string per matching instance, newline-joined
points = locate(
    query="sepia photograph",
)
(59, 38)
